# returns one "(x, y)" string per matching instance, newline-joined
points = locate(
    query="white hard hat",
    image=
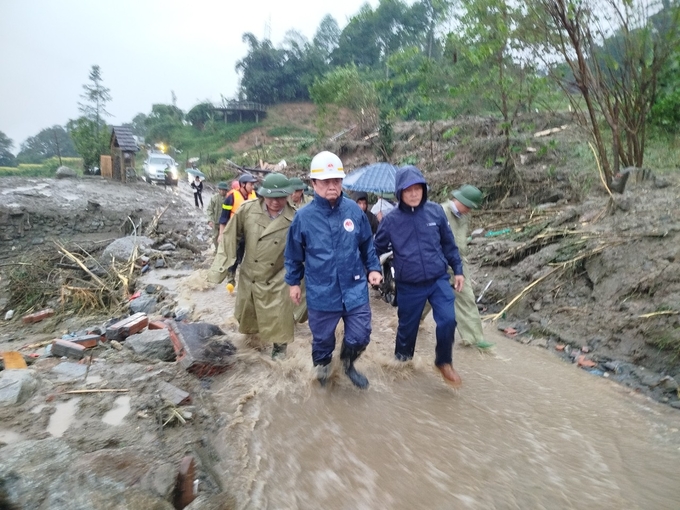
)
(326, 165)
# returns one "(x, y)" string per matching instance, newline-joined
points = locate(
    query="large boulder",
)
(121, 249)
(64, 172)
(16, 386)
(51, 474)
(152, 343)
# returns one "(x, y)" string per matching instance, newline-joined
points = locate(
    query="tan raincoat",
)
(214, 212)
(263, 304)
(467, 315)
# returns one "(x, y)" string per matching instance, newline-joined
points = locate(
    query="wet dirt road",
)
(525, 431)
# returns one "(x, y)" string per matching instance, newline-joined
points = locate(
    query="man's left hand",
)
(458, 282)
(374, 277)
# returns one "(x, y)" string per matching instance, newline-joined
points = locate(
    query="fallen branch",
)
(154, 223)
(654, 314)
(101, 390)
(519, 296)
(75, 259)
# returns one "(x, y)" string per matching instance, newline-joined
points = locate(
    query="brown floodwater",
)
(525, 431)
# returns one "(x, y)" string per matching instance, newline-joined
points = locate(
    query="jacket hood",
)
(408, 176)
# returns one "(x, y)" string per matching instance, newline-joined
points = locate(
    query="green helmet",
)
(223, 185)
(296, 184)
(469, 196)
(274, 186)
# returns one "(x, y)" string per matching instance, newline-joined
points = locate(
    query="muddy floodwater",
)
(525, 431)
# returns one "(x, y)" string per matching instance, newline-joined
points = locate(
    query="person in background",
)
(361, 198)
(215, 210)
(262, 303)
(381, 208)
(197, 185)
(330, 244)
(469, 323)
(232, 202)
(298, 198)
(424, 247)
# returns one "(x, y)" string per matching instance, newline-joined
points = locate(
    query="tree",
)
(138, 125)
(162, 122)
(96, 97)
(200, 115)
(48, 143)
(327, 36)
(89, 140)
(615, 51)
(261, 70)
(6, 156)
(493, 41)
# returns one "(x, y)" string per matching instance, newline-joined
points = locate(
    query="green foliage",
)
(90, 140)
(409, 160)
(289, 131)
(6, 156)
(385, 147)
(49, 142)
(96, 96)
(303, 161)
(200, 115)
(45, 169)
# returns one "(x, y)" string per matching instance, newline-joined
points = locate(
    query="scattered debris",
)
(127, 326)
(173, 394)
(13, 360)
(199, 348)
(38, 316)
(66, 348)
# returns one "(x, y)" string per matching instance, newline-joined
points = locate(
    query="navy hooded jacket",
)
(331, 247)
(420, 236)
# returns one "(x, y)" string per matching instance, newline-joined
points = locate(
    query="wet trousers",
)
(198, 198)
(412, 299)
(322, 324)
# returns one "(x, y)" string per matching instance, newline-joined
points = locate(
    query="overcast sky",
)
(145, 49)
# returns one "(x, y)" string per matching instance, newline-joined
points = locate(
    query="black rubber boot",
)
(348, 356)
(323, 373)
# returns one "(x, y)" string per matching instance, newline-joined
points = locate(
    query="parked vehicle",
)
(161, 168)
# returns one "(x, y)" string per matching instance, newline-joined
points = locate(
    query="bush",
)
(45, 169)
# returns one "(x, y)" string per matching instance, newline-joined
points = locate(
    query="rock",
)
(68, 371)
(167, 247)
(16, 387)
(478, 232)
(144, 303)
(64, 172)
(151, 289)
(182, 313)
(534, 317)
(676, 404)
(612, 366)
(121, 249)
(153, 343)
(50, 474)
(159, 263)
(541, 342)
(160, 480)
(9, 315)
(652, 380)
(537, 306)
(668, 384)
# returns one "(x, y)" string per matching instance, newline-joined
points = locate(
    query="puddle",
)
(9, 436)
(38, 408)
(121, 406)
(93, 379)
(62, 418)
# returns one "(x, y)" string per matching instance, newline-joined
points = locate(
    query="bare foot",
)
(450, 375)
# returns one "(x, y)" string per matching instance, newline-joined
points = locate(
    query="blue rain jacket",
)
(420, 236)
(332, 248)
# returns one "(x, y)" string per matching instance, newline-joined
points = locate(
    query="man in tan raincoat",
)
(263, 306)
(469, 322)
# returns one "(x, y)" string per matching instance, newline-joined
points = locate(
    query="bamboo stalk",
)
(654, 314)
(100, 390)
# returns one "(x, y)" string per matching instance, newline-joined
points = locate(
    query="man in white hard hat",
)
(330, 245)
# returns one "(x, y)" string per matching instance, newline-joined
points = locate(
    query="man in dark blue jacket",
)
(330, 244)
(424, 247)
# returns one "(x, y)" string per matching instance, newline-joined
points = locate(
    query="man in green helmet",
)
(297, 198)
(469, 322)
(263, 306)
(469, 327)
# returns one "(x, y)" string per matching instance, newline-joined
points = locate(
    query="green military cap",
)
(469, 196)
(274, 186)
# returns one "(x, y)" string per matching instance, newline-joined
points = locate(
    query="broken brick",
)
(126, 327)
(38, 316)
(173, 394)
(67, 348)
(511, 332)
(584, 362)
(184, 488)
(86, 341)
(559, 347)
(196, 352)
(158, 325)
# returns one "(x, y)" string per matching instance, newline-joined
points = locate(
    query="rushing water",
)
(526, 430)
